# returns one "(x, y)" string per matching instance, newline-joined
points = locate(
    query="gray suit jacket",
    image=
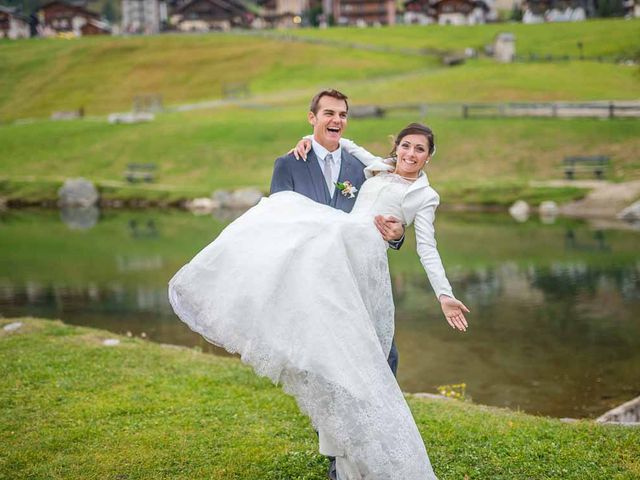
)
(307, 179)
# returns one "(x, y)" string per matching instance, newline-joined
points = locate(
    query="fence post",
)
(554, 110)
(423, 112)
(465, 111)
(611, 110)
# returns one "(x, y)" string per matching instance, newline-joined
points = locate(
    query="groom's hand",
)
(391, 228)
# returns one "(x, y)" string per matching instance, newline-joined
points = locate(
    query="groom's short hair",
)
(327, 93)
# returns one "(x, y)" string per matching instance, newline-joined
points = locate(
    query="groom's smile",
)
(329, 122)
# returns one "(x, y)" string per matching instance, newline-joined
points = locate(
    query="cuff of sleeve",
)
(395, 244)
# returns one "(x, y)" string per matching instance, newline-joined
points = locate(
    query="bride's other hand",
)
(301, 149)
(453, 311)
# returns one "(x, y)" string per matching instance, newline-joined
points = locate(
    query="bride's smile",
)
(412, 155)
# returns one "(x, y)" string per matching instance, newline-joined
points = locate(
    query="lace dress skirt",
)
(302, 292)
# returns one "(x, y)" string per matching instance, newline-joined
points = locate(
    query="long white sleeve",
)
(373, 164)
(361, 153)
(427, 247)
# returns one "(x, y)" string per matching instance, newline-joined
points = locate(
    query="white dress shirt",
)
(336, 161)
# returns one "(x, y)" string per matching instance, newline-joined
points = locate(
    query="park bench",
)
(596, 164)
(140, 172)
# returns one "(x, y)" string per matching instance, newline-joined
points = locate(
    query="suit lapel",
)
(347, 172)
(317, 178)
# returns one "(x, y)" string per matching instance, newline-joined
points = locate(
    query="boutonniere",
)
(347, 189)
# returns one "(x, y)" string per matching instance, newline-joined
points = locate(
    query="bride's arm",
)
(430, 258)
(365, 156)
(427, 245)
(362, 154)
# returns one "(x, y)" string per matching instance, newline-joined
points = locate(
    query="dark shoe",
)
(332, 470)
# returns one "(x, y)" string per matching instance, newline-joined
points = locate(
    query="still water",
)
(554, 328)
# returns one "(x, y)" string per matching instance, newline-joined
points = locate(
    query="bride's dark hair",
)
(414, 129)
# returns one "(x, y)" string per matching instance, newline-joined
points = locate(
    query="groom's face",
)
(329, 122)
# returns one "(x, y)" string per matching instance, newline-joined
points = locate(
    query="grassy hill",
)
(103, 74)
(232, 145)
(608, 38)
(73, 408)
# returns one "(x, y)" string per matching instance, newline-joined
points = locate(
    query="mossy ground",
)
(74, 408)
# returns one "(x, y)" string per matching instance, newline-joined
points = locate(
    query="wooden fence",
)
(606, 110)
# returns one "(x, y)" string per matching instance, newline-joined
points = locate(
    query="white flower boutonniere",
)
(347, 189)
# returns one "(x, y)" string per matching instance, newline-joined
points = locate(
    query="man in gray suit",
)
(327, 164)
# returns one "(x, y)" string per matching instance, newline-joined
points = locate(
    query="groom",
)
(326, 165)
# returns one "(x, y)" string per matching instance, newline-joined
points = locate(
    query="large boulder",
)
(240, 199)
(631, 213)
(78, 192)
(202, 206)
(520, 211)
(548, 211)
(222, 197)
(245, 198)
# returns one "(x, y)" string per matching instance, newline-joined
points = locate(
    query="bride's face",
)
(412, 154)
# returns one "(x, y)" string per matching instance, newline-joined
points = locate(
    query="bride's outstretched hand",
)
(301, 149)
(453, 311)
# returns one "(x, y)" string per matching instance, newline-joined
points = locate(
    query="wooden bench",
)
(596, 164)
(140, 172)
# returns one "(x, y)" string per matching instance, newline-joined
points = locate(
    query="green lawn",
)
(75, 409)
(609, 38)
(478, 160)
(489, 161)
(103, 74)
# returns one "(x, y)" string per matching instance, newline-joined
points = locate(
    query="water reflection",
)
(80, 218)
(143, 228)
(554, 315)
(598, 242)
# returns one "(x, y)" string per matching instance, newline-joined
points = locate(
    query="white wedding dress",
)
(302, 292)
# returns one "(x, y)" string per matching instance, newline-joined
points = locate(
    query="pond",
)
(554, 328)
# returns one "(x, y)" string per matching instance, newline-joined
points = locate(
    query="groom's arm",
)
(391, 229)
(282, 179)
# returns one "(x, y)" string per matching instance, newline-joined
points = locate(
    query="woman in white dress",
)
(302, 292)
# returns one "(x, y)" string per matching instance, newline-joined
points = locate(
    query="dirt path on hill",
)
(605, 200)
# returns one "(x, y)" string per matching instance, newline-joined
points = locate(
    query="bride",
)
(302, 292)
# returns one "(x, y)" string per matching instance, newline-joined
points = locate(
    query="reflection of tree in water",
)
(568, 280)
(143, 229)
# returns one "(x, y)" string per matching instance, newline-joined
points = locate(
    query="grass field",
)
(487, 161)
(103, 74)
(609, 38)
(479, 160)
(75, 409)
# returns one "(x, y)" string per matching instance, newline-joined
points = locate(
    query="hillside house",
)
(281, 13)
(449, 12)
(58, 17)
(364, 12)
(12, 24)
(538, 11)
(461, 12)
(206, 15)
